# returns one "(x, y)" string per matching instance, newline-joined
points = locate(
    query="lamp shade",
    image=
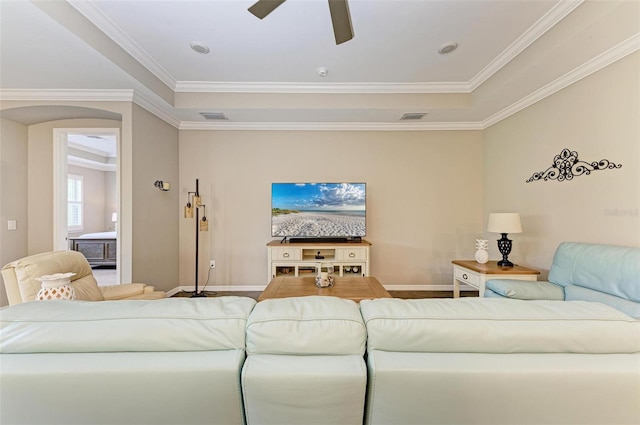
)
(504, 223)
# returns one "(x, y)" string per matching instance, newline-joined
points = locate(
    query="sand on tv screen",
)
(317, 210)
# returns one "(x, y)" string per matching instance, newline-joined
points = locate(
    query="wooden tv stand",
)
(299, 259)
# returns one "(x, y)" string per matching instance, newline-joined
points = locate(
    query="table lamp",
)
(504, 223)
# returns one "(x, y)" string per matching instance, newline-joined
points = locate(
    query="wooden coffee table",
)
(352, 288)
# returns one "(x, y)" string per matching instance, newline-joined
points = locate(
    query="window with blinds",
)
(74, 203)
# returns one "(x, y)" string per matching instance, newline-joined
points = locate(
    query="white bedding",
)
(99, 235)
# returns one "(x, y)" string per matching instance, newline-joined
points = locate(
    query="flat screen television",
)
(334, 211)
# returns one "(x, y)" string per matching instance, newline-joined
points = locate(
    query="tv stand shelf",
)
(300, 258)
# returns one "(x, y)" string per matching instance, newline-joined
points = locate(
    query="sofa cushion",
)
(610, 269)
(525, 290)
(628, 307)
(480, 325)
(179, 324)
(306, 326)
(304, 390)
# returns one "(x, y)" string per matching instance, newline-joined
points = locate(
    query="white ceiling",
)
(97, 143)
(263, 73)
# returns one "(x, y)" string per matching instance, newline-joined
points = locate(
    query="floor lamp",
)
(194, 202)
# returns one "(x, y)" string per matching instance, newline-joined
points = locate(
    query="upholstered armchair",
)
(21, 285)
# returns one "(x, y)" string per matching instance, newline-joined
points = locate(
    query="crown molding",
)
(68, 95)
(316, 88)
(544, 24)
(97, 17)
(625, 48)
(329, 126)
(87, 163)
(166, 112)
(159, 109)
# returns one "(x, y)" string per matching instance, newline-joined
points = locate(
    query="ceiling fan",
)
(339, 10)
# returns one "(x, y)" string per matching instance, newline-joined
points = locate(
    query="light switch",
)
(11, 225)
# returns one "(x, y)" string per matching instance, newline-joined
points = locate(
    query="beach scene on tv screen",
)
(318, 209)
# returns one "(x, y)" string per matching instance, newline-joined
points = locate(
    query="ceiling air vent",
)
(216, 116)
(412, 116)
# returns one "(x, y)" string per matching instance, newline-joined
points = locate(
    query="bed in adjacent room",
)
(99, 248)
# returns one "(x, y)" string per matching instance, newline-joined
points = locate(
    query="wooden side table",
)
(475, 274)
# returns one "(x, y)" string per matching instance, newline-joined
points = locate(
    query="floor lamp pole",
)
(197, 207)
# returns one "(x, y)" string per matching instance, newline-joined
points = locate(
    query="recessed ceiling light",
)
(448, 47)
(322, 71)
(200, 47)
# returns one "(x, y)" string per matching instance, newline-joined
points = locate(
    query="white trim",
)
(463, 287)
(329, 126)
(233, 288)
(159, 109)
(253, 288)
(87, 163)
(70, 95)
(603, 60)
(94, 14)
(544, 24)
(170, 293)
(167, 113)
(306, 88)
(59, 182)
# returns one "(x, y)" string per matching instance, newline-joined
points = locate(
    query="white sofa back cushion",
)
(179, 324)
(488, 325)
(306, 326)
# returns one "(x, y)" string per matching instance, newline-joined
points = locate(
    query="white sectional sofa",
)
(305, 362)
(182, 361)
(171, 361)
(491, 361)
(606, 274)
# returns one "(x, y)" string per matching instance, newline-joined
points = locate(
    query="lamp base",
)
(200, 294)
(504, 246)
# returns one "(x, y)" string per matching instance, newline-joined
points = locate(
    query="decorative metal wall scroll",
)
(566, 166)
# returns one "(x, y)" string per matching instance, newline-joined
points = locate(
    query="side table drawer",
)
(351, 254)
(286, 254)
(466, 277)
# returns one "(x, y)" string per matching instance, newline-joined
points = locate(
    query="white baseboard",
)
(231, 288)
(236, 288)
(426, 288)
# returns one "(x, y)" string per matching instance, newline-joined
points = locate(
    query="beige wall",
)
(94, 199)
(424, 197)
(40, 178)
(152, 155)
(111, 198)
(13, 190)
(598, 117)
(155, 213)
(429, 193)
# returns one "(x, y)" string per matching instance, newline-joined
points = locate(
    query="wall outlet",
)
(212, 264)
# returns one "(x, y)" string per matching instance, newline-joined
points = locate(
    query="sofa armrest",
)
(148, 289)
(119, 292)
(526, 290)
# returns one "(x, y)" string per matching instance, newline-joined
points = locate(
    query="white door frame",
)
(60, 151)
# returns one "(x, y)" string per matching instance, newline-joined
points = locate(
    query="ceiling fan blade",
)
(341, 20)
(262, 8)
